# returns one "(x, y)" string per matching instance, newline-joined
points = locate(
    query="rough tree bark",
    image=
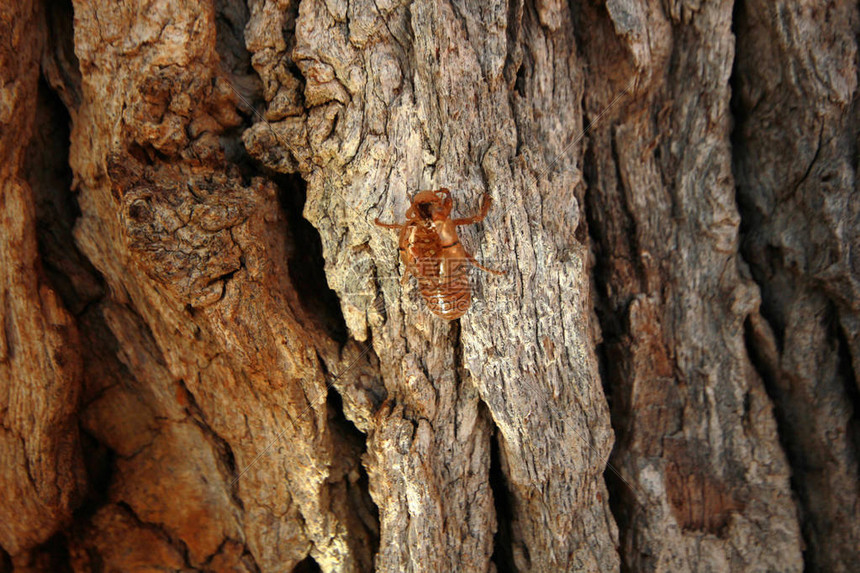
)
(208, 361)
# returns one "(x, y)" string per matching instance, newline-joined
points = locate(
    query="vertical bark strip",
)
(400, 98)
(704, 477)
(40, 366)
(798, 193)
(221, 369)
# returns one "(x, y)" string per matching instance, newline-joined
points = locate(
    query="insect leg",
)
(480, 266)
(403, 244)
(486, 202)
(387, 225)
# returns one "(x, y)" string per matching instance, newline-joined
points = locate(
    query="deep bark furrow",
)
(503, 557)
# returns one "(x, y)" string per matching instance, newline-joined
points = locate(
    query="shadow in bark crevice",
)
(100, 462)
(48, 172)
(503, 555)
(307, 265)
(628, 504)
(307, 565)
(764, 330)
(613, 327)
(846, 367)
(352, 444)
(69, 273)
(231, 18)
(51, 555)
(60, 65)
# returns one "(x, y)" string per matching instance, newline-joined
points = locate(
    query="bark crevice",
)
(307, 565)
(47, 170)
(159, 530)
(852, 387)
(307, 265)
(610, 322)
(503, 556)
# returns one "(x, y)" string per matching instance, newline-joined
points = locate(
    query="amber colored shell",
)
(431, 250)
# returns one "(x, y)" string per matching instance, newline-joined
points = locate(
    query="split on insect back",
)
(431, 250)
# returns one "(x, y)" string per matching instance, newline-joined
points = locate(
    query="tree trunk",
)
(208, 360)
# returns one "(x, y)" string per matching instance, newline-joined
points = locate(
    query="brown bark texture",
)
(208, 360)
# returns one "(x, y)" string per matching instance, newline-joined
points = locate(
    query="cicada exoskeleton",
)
(431, 250)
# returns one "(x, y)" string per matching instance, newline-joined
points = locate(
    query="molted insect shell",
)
(431, 250)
